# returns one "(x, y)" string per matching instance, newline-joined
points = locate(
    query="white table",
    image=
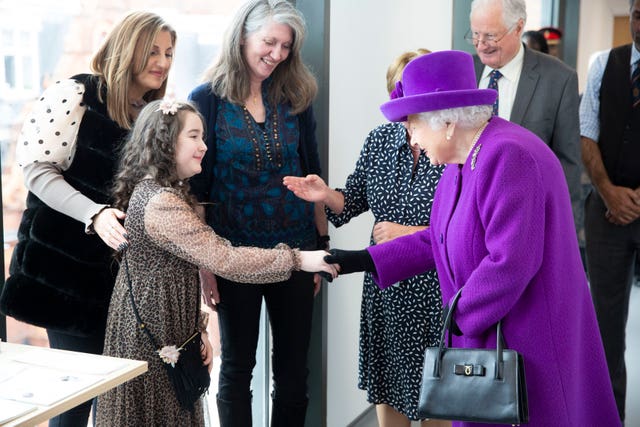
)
(43, 379)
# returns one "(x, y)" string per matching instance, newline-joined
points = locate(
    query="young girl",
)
(168, 242)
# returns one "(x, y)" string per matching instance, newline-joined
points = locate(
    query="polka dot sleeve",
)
(50, 130)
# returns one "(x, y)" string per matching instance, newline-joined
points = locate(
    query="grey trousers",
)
(611, 252)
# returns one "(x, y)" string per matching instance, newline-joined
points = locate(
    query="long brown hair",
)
(291, 81)
(123, 54)
(150, 152)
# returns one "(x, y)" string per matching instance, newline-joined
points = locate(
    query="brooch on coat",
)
(474, 156)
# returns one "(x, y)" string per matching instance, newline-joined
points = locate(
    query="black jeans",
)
(290, 306)
(611, 253)
(79, 415)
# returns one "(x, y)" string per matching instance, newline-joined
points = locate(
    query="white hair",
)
(465, 117)
(512, 10)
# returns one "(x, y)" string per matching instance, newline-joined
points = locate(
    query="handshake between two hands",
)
(326, 263)
(335, 261)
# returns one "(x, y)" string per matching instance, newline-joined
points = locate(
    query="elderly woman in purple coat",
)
(501, 226)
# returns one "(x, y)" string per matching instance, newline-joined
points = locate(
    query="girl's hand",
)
(313, 262)
(206, 351)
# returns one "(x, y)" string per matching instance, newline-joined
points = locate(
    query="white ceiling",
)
(618, 7)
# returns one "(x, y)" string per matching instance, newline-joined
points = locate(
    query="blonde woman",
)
(62, 273)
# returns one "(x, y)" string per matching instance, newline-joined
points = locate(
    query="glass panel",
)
(261, 384)
(10, 71)
(25, 39)
(27, 73)
(200, 27)
(7, 38)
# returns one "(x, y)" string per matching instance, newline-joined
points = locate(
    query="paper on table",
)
(76, 362)
(9, 368)
(45, 386)
(10, 410)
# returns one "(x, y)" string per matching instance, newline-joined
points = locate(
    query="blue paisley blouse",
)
(397, 324)
(251, 207)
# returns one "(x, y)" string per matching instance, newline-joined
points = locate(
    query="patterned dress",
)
(396, 324)
(168, 243)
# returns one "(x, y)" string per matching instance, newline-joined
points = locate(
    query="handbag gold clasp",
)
(469, 370)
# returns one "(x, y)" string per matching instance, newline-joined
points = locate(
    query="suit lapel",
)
(479, 67)
(526, 87)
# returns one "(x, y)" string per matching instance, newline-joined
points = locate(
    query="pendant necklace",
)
(269, 147)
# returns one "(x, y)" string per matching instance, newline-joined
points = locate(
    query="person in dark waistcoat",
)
(610, 129)
(256, 101)
(62, 272)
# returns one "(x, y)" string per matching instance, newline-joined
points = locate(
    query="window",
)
(44, 42)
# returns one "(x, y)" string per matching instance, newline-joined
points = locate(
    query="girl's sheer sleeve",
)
(173, 224)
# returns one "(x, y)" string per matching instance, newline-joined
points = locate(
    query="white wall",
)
(365, 36)
(595, 33)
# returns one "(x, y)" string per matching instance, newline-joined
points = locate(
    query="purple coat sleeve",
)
(401, 258)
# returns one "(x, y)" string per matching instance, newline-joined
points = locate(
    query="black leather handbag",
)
(469, 384)
(189, 376)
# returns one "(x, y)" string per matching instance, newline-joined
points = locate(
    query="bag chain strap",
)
(141, 324)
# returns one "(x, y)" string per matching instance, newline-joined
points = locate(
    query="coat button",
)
(441, 238)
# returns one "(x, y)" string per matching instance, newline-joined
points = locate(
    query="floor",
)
(633, 370)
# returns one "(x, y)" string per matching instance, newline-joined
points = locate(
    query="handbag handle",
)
(446, 327)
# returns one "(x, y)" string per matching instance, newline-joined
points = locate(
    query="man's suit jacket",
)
(547, 103)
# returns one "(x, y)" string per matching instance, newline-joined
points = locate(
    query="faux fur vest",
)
(60, 277)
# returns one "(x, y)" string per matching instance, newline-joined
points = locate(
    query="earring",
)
(449, 133)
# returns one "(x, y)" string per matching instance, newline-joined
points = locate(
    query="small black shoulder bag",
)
(189, 376)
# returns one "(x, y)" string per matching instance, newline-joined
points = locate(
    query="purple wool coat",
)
(502, 227)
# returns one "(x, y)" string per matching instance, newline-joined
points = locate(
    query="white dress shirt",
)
(507, 84)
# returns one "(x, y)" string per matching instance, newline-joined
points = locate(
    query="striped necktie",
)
(635, 85)
(494, 76)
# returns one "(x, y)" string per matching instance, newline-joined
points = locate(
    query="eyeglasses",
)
(488, 39)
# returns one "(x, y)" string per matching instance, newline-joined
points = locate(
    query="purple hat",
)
(436, 81)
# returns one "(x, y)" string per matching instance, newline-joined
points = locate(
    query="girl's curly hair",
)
(150, 151)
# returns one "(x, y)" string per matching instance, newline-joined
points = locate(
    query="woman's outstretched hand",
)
(311, 188)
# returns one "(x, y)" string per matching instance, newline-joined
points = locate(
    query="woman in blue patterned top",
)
(396, 181)
(260, 127)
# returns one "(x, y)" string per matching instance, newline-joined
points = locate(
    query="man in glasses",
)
(535, 90)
